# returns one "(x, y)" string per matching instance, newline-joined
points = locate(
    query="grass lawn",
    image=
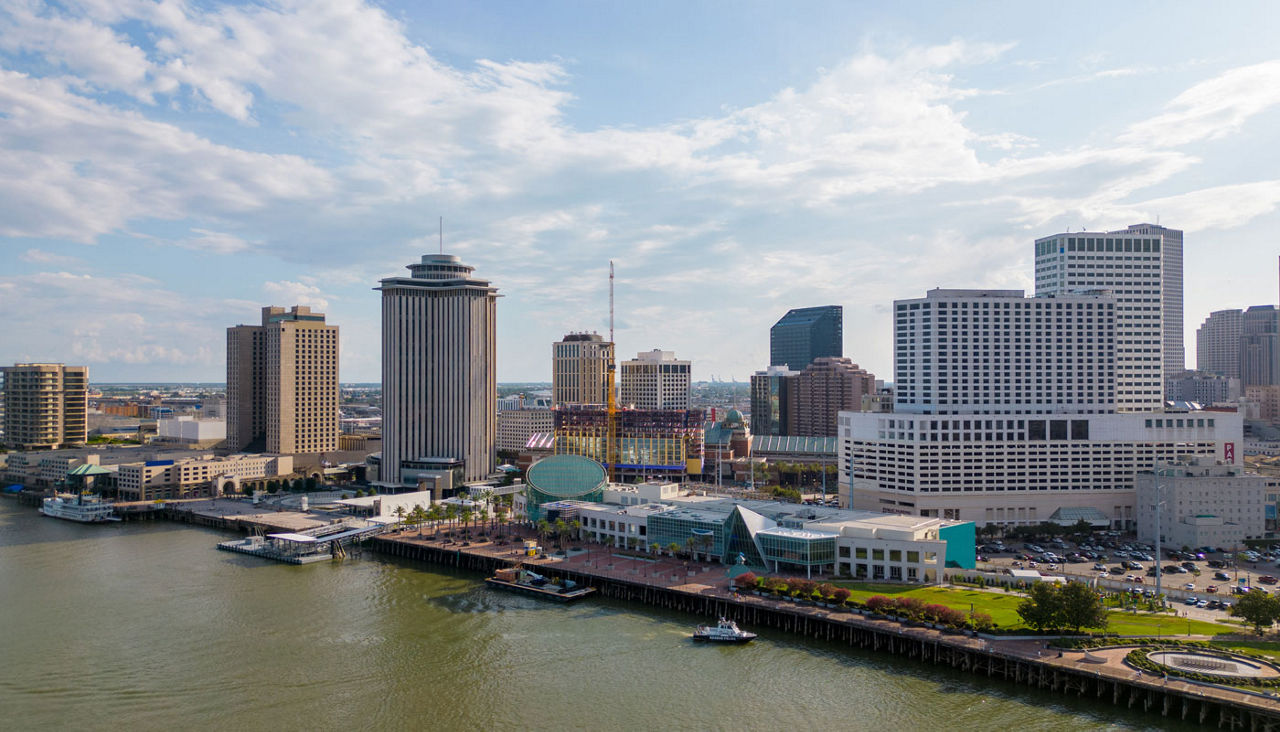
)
(1003, 609)
(1270, 649)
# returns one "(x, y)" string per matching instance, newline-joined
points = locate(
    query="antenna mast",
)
(442, 235)
(611, 301)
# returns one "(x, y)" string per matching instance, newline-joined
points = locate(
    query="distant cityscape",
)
(1003, 409)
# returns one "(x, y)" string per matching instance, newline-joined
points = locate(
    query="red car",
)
(1267, 579)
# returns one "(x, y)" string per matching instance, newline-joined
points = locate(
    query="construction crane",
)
(611, 400)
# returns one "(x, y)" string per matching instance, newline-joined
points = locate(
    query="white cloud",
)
(1212, 109)
(40, 256)
(289, 293)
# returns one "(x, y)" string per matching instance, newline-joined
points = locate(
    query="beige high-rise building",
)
(282, 383)
(580, 369)
(821, 391)
(45, 405)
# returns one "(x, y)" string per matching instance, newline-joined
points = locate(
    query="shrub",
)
(825, 589)
(840, 595)
(746, 580)
(981, 622)
(802, 587)
(879, 604)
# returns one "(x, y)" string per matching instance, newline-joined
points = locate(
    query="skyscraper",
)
(44, 405)
(1218, 343)
(1144, 272)
(439, 373)
(1006, 412)
(1260, 346)
(580, 369)
(771, 394)
(282, 383)
(821, 391)
(805, 334)
(655, 380)
(1174, 353)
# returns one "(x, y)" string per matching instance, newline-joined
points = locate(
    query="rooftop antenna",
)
(611, 301)
(442, 235)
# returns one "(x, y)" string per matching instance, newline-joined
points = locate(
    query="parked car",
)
(1189, 586)
(1211, 588)
(1193, 600)
(1117, 570)
(1188, 565)
(1217, 564)
(1099, 567)
(1222, 576)
(1267, 579)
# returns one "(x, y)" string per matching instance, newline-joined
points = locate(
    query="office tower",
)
(1173, 352)
(1218, 343)
(804, 334)
(580, 369)
(771, 394)
(655, 380)
(439, 374)
(282, 383)
(1259, 346)
(1138, 268)
(45, 405)
(1005, 413)
(821, 391)
(516, 426)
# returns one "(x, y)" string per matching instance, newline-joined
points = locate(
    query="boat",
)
(86, 508)
(532, 583)
(726, 631)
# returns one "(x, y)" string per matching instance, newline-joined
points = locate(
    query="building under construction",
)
(663, 443)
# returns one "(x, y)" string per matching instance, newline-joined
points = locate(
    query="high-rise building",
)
(580, 369)
(439, 372)
(655, 380)
(1006, 412)
(1260, 346)
(282, 383)
(45, 405)
(822, 390)
(805, 334)
(516, 426)
(771, 394)
(1144, 273)
(1202, 388)
(1218, 343)
(1174, 354)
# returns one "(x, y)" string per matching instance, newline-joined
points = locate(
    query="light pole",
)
(1159, 557)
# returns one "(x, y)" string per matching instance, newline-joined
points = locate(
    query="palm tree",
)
(576, 525)
(544, 530)
(400, 516)
(689, 544)
(654, 548)
(673, 548)
(562, 529)
(466, 515)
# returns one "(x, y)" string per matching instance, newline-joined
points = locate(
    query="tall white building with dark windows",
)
(1006, 412)
(439, 375)
(1142, 268)
(655, 380)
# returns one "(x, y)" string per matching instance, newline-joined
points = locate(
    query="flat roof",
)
(796, 533)
(300, 538)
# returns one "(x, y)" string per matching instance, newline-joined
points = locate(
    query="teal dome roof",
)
(566, 476)
(732, 419)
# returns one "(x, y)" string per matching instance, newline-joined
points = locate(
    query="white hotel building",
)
(1006, 411)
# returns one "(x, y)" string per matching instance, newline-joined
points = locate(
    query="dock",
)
(704, 590)
(315, 544)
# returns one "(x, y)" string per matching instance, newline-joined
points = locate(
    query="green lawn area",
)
(1003, 609)
(1270, 649)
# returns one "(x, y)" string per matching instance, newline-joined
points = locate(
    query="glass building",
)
(805, 334)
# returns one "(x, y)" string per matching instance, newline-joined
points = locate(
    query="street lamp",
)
(1159, 509)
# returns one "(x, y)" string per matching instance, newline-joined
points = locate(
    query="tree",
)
(1042, 609)
(1081, 607)
(310, 484)
(673, 548)
(1082, 527)
(655, 548)
(400, 512)
(1258, 609)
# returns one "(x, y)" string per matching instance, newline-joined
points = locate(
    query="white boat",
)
(84, 508)
(726, 631)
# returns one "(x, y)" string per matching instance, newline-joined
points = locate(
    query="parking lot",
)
(1212, 578)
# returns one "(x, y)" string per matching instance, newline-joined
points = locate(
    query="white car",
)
(1189, 586)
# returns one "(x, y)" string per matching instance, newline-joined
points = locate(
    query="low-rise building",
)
(195, 477)
(191, 431)
(1202, 503)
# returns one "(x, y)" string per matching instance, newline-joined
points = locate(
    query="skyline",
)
(174, 169)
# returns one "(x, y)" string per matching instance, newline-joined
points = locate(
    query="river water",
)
(147, 627)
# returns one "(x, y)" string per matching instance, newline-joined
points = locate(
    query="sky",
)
(168, 168)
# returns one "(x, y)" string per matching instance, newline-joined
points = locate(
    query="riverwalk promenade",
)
(703, 587)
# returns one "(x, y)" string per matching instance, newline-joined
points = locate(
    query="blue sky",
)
(168, 168)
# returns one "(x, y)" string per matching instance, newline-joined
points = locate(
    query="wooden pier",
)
(1018, 661)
